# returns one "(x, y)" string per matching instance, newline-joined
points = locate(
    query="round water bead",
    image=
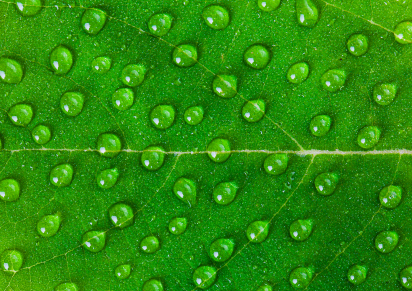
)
(123, 271)
(153, 285)
(162, 116)
(333, 80)
(298, 73)
(300, 230)
(123, 99)
(384, 94)
(368, 137)
(268, 5)
(265, 287)
(221, 249)
(224, 193)
(307, 13)
(153, 158)
(94, 241)
(194, 115)
(216, 17)
(276, 164)
(178, 225)
(49, 225)
(150, 244)
(326, 183)
(101, 65)
(10, 71)
(185, 55)
(61, 60)
(133, 75)
(9, 190)
(320, 125)
(300, 277)
(185, 190)
(257, 231)
(93, 20)
(204, 276)
(403, 32)
(41, 134)
(406, 277)
(67, 287)
(386, 241)
(28, 7)
(11, 261)
(71, 103)
(357, 274)
(358, 44)
(121, 215)
(109, 145)
(20, 114)
(160, 24)
(253, 110)
(390, 196)
(257, 57)
(219, 150)
(107, 178)
(61, 175)
(225, 86)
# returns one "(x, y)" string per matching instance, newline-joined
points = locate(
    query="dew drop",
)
(185, 55)
(9, 190)
(300, 230)
(10, 71)
(123, 271)
(253, 110)
(320, 125)
(216, 17)
(276, 164)
(150, 244)
(406, 277)
(386, 241)
(403, 32)
(194, 115)
(368, 137)
(219, 150)
(153, 285)
(178, 225)
(160, 24)
(11, 261)
(384, 94)
(225, 86)
(109, 145)
(67, 287)
(153, 158)
(49, 225)
(357, 274)
(257, 231)
(93, 20)
(257, 57)
(101, 65)
(107, 178)
(185, 190)
(300, 277)
(358, 45)
(333, 80)
(21, 114)
(133, 75)
(123, 99)
(61, 175)
(71, 103)
(390, 196)
(204, 276)
(307, 13)
(121, 215)
(61, 60)
(268, 5)
(298, 73)
(265, 287)
(41, 134)
(326, 183)
(162, 116)
(94, 241)
(224, 193)
(221, 249)
(28, 7)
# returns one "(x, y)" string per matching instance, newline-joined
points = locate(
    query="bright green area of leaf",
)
(345, 224)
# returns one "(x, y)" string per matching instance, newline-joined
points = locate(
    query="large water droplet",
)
(219, 150)
(71, 103)
(298, 73)
(20, 114)
(307, 13)
(109, 145)
(358, 45)
(178, 225)
(276, 164)
(10, 71)
(9, 190)
(224, 193)
(160, 24)
(61, 60)
(133, 75)
(150, 244)
(357, 274)
(390, 196)
(107, 178)
(225, 86)
(386, 241)
(67, 287)
(153, 158)
(300, 230)
(11, 261)
(153, 285)
(121, 215)
(384, 94)
(368, 137)
(123, 271)
(257, 231)
(320, 125)
(300, 277)
(403, 32)
(101, 65)
(28, 7)
(49, 225)
(61, 175)
(162, 116)
(194, 115)
(93, 20)
(406, 277)
(326, 183)
(257, 57)
(216, 17)
(333, 80)
(253, 110)
(185, 190)
(185, 55)
(94, 241)
(204, 276)
(123, 99)
(268, 5)
(41, 134)
(221, 249)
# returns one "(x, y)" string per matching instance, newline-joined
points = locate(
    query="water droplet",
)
(268, 5)
(123, 271)
(204, 276)
(216, 17)
(28, 7)
(160, 24)
(61, 60)
(300, 230)
(121, 215)
(93, 20)
(194, 115)
(276, 164)
(41, 134)
(257, 231)
(71, 103)
(403, 32)
(307, 13)
(49, 225)
(221, 249)
(67, 287)
(406, 277)
(257, 57)
(11, 261)
(185, 190)
(107, 178)
(224, 193)
(384, 94)
(358, 45)
(9, 190)
(225, 86)
(368, 137)
(219, 150)
(386, 241)
(253, 110)
(320, 125)
(153, 285)
(185, 55)
(150, 244)
(162, 116)
(101, 65)
(94, 241)
(10, 71)
(333, 80)
(265, 287)
(21, 114)
(178, 225)
(133, 75)
(357, 274)
(300, 277)
(109, 145)
(298, 73)
(326, 183)
(153, 157)
(123, 99)
(390, 196)
(61, 175)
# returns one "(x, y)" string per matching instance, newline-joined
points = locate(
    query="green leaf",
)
(50, 49)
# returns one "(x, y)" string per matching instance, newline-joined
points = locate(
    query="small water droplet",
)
(253, 110)
(216, 17)
(160, 24)
(101, 65)
(123, 271)
(384, 94)
(185, 55)
(107, 178)
(386, 241)
(61, 175)
(150, 244)
(185, 190)
(221, 249)
(358, 45)
(300, 277)
(109, 145)
(133, 75)
(390, 196)
(326, 183)
(21, 114)
(162, 116)
(67, 287)
(49, 225)
(9, 190)
(41, 134)
(121, 215)
(257, 231)
(300, 230)
(298, 73)
(153, 158)
(219, 150)
(307, 13)
(333, 80)
(406, 277)
(93, 20)
(194, 115)
(11, 261)
(71, 103)
(204, 276)
(320, 125)
(276, 164)
(178, 225)
(61, 60)
(11, 71)
(403, 32)
(153, 285)
(224, 193)
(94, 241)
(257, 56)
(225, 86)
(357, 274)
(268, 5)
(28, 7)
(368, 137)
(123, 99)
